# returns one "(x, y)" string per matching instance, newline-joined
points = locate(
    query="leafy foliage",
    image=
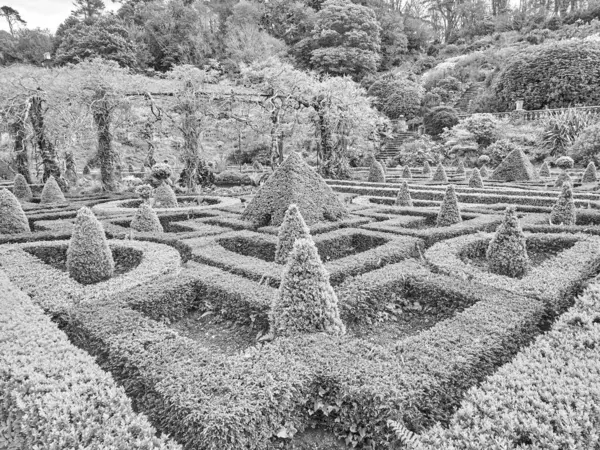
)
(395, 97)
(586, 147)
(439, 118)
(561, 130)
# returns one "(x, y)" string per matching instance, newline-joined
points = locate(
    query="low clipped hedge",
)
(547, 397)
(53, 395)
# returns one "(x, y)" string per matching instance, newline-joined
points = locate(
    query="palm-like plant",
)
(560, 130)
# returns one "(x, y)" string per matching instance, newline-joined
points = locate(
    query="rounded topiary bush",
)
(12, 216)
(21, 188)
(545, 170)
(51, 193)
(590, 175)
(439, 118)
(426, 168)
(89, 259)
(563, 178)
(563, 212)
(292, 228)
(146, 220)
(507, 251)
(403, 198)
(164, 197)
(449, 213)
(376, 172)
(475, 181)
(564, 162)
(483, 160)
(305, 302)
(406, 173)
(440, 174)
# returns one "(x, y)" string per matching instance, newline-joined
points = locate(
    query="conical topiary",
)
(305, 302)
(484, 172)
(475, 181)
(294, 182)
(426, 168)
(515, 167)
(440, 174)
(406, 173)
(563, 178)
(164, 197)
(21, 189)
(563, 212)
(507, 251)
(89, 258)
(449, 213)
(51, 193)
(590, 175)
(376, 172)
(292, 228)
(404, 198)
(460, 168)
(545, 170)
(12, 217)
(146, 220)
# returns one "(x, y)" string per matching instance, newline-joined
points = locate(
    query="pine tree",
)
(440, 174)
(21, 189)
(475, 181)
(404, 198)
(305, 302)
(292, 228)
(507, 251)
(51, 193)
(406, 173)
(12, 216)
(146, 220)
(563, 212)
(449, 213)
(590, 176)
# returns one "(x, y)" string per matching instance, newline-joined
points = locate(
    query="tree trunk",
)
(17, 128)
(108, 158)
(191, 156)
(47, 150)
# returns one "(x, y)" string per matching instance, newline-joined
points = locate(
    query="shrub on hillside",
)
(416, 152)
(396, 96)
(475, 181)
(507, 251)
(164, 197)
(292, 229)
(440, 174)
(449, 213)
(553, 75)
(500, 150)
(560, 130)
(440, 118)
(146, 220)
(403, 198)
(563, 212)
(51, 193)
(376, 172)
(89, 258)
(305, 302)
(12, 216)
(586, 146)
(590, 175)
(21, 188)
(484, 127)
(564, 163)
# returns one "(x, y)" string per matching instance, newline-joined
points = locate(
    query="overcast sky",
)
(45, 13)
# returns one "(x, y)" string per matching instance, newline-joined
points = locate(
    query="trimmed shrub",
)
(164, 197)
(426, 168)
(590, 175)
(21, 189)
(545, 170)
(563, 178)
(563, 212)
(305, 302)
(403, 198)
(406, 173)
(439, 118)
(484, 171)
(564, 162)
(89, 258)
(292, 229)
(507, 251)
(12, 216)
(500, 150)
(483, 160)
(515, 167)
(146, 220)
(484, 127)
(586, 146)
(396, 97)
(460, 168)
(449, 213)
(376, 172)
(440, 174)
(161, 171)
(294, 182)
(52, 192)
(475, 181)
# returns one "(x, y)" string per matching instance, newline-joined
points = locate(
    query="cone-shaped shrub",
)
(507, 251)
(164, 197)
(475, 181)
(515, 167)
(563, 212)
(376, 172)
(89, 258)
(12, 217)
(484, 172)
(404, 198)
(590, 176)
(406, 173)
(563, 178)
(460, 168)
(52, 192)
(146, 220)
(306, 302)
(545, 170)
(449, 213)
(21, 189)
(426, 168)
(440, 174)
(292, 228)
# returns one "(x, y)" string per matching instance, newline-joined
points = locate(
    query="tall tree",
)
(88, 8)
(13, 18)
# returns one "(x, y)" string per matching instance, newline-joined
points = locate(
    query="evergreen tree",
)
(51, 193)
(376, 172)
(544, 170)
(292, 229)
(590, 176)
(507, 251)
(460, 168)
(563, 212)
(406, 173)
(563, 178)
(88, 8)
(12, 216)
(449, 213)
(404, 198)
(484, 171)
(21, 189)
(475, 181)
(440, 174)
(146, 220)
(426, 168)
(164, 197)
